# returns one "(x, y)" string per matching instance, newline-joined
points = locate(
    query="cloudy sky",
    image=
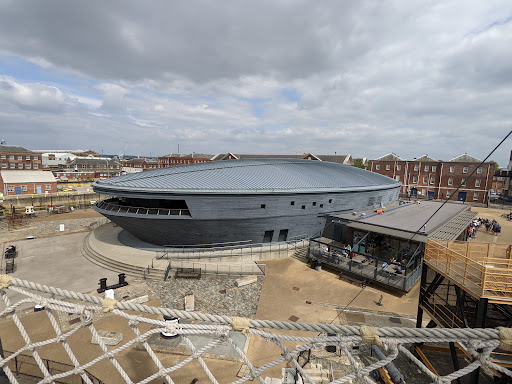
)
(359, 77)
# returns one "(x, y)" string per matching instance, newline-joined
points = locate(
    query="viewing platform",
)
(482, 269)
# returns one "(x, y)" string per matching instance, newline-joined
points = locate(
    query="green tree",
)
(359, 164)
(496, 166)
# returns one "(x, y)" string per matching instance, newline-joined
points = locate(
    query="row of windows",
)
(20, 166)
(98, 166)
(12, 188)
(478, 182)
(19, 157)
(269, 235)
(428, 169)
(174, 161)
(314, 204)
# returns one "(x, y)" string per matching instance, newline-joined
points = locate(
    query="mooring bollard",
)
(122, 278)
(103, 284)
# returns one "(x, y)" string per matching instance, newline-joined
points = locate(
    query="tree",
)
(359, 164)
(496, 166)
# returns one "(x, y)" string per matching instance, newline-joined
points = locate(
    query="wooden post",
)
(484, 275)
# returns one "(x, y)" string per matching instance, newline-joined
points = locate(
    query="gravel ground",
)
(36, 228)
(216, 295)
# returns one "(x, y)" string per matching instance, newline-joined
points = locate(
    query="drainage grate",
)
(293, 318)
(222, 291)
(296, 288)
(395, 320)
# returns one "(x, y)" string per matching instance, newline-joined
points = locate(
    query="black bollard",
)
(103, 285)
(330, 348)
(122, 277)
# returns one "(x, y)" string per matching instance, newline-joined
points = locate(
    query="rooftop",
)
(250, 176)
(11, 177)
(13, 148)
(404, 220)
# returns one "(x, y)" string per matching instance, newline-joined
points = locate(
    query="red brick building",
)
(89, 168)
(140, 163)
(27, 182)
(174, 159)
(425, 177)
(14, 157)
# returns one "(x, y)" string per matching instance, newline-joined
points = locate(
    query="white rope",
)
(480, 343)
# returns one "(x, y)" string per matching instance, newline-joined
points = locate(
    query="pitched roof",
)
(390, 157)
(11, 177)
(13, 148)
(464, 158)
(425, 158)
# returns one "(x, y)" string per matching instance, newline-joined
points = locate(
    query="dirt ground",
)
(76, 214)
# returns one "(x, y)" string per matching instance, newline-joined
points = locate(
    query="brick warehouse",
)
(27, 182)
(425, 177)
(14, 157)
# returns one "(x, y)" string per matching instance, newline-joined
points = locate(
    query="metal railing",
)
(113, 205)
(26, 365)
(244, 249)
(364, 266)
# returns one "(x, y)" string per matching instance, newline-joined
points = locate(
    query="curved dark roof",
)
(249, 177)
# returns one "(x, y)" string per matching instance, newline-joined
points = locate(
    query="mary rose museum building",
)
(253, 200)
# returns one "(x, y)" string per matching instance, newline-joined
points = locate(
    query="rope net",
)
(44, 334)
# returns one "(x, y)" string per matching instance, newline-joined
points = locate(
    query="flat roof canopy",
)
(404, 220)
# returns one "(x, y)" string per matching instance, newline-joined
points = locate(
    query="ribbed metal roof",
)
(248, 177)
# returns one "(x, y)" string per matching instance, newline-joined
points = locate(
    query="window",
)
(448, 193)
(479, 170)
(303, 207)
(398, 167)
(463, 182)
(432, 180)
(36, 166)
(27, 157)
(314, 203)
(20, 157)
(388, 167)
(452, 169)
(283, 234)
(267, 238)
(35, 158)
(415, 179)
(4, 165)
(397, 177)
(465, 170)
(450, 181)
(330, 201)
(423, 191)
(97, 166)
(20, 165)
(478, 182)
(426, 168)
(11, 157)
(24, 188)
(292, 202)
(48, 187)
(377, 166)
(10, 188)
(434, 167)
(3, 157)
(12, 166)
(28, 166)
(425, 179)
(83, 165)
(321, 205)
(475, 196)
(416, 167)
(263, 206)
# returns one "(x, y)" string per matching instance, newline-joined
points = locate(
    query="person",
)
(385, 266)
(11, 249)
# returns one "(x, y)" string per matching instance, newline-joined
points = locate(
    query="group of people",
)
(336, 254)
(9, 251)
(490, 225)
(398, 266)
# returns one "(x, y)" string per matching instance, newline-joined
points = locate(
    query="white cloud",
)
(32, 96)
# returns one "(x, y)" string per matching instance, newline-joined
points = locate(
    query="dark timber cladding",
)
(258, 200)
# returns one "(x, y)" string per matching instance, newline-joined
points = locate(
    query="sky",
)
(278, 77)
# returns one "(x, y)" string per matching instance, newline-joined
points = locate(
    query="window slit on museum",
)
(267, 238)
(283, 235)
(303, 207)
(263, 206)
(292, 202)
